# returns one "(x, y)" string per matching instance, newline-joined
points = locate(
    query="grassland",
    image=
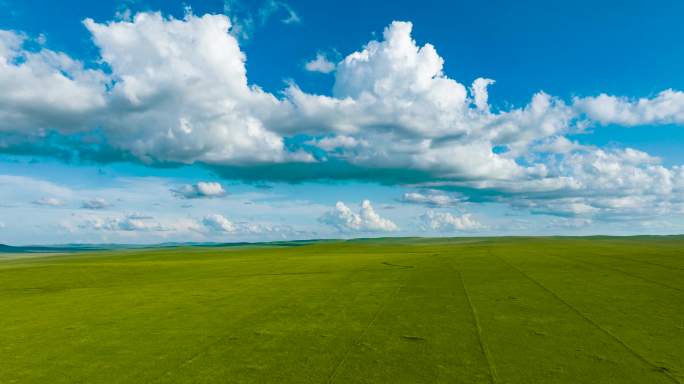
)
(534, 310)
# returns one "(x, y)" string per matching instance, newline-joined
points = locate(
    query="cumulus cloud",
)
(199, 190)
(48, 201)
(366, 220)
(480, 94)
(44, 90)
(667, 107)
(320, 64)
(444, 221)
(159, 104)
(394, 96)
(178, 93)
(96, 203)
(218, 223)
(175, 106)
(403, 82)
(595, 183)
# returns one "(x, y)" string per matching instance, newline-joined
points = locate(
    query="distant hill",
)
(4, 248)
(67, 248)
(60, 248)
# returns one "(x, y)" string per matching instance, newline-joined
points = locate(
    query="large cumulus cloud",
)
(177, 91)
(180, 92)
(45, 90)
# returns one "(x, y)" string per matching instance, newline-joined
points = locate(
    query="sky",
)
(131, 121)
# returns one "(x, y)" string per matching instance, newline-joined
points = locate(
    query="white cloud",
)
(199, 190)
(444, 221)
(45, 89)
(597, 183)
(96, 203)
(144, 211)
(133, 225)
(170, 105)
(479, 92)
(392, 106)
(367, 220)
(430, 198)
(48, 201)
(163, 104)
(557, 145)
(339, 142)
(394, 96)
(219, 223)
(178, 92)
(320, 64)
(667, 107)
(401, 79)
(126, 223)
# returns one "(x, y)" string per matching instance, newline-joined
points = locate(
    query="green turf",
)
(544, 310)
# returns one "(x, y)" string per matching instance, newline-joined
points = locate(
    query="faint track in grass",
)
(633, 352)
(358, 340)
(208, 346)
(476, 321)
(642, 262)
(618, 270)
(220, 339)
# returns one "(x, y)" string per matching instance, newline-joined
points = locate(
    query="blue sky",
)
(149, 121)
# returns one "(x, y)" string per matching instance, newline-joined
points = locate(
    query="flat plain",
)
(459, 310)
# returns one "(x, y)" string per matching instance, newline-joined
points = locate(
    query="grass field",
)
(546, 310)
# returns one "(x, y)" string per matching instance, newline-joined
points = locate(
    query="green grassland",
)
(499, 310)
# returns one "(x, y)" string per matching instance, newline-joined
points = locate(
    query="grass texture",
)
(492, 310)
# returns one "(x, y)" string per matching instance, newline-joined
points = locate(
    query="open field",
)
(533, 310)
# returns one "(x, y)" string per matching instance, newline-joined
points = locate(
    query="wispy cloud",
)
(431, 198)
(445, 221)
(245, 18)
(272, 7)
(48, 201)
(96, 203)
